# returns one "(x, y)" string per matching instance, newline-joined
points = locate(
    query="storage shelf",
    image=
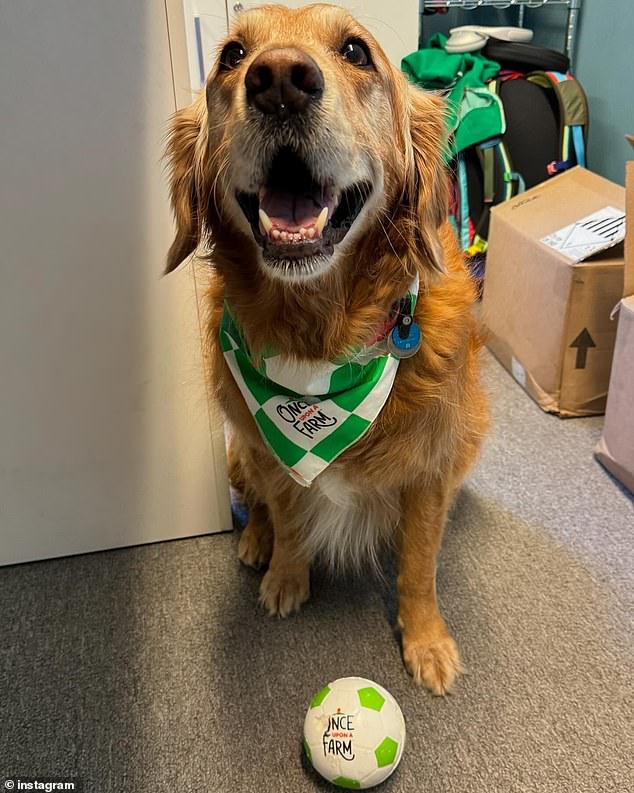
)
(471, 5)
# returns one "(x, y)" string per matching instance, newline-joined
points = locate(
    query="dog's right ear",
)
(186, 154)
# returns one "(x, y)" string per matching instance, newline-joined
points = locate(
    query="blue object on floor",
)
(239, 509)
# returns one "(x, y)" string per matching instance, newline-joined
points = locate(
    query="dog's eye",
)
(231, 55)
(356, 52)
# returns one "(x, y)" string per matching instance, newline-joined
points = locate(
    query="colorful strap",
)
(488, 168)
(463, 223)
(579, 144)
(571, 133)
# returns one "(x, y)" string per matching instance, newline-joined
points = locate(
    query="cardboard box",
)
(548, 295)
(616, 447)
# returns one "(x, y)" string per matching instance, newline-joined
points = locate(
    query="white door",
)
(393, 24)
(106, 434)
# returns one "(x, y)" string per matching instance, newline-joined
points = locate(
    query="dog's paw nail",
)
(281, 595)
(434, 665)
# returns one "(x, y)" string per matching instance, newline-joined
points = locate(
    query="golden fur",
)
(410, 463)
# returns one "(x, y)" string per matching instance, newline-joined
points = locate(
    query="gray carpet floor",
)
(152, 668)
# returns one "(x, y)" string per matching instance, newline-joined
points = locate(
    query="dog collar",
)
(308, 414)
(400, 332)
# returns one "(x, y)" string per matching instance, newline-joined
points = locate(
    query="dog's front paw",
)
(256, 544)
(432, 659)
(283, 591)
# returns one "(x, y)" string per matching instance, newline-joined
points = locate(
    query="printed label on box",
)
(589, 235)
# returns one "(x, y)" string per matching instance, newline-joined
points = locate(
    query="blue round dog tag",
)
(404, 345)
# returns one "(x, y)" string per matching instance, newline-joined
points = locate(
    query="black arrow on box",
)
(582, 344)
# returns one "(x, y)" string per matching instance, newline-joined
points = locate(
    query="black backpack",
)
(546, 127)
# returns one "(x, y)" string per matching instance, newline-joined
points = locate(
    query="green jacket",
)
(473, 113)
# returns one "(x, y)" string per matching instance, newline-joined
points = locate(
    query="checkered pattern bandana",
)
(308, 414)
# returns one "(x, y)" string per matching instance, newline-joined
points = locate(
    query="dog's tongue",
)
(292, 211)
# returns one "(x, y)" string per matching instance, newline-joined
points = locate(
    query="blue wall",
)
(604, 63)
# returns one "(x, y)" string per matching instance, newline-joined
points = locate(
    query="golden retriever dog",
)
(313, 176)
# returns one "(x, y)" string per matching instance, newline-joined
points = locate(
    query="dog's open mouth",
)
(296, 220)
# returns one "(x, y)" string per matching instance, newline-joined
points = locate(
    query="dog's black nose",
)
(283, 81)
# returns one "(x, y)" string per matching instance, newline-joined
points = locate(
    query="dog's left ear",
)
(186, 154)
(426, 189)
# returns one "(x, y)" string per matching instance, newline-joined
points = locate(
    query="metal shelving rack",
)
(574, 7)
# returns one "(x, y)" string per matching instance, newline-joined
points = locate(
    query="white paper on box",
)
(589, 235)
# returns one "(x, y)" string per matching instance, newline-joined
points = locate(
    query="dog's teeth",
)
(310, 233)
(284, 236)
(321, 220)
(302, 232)
(276, 234)
(265, 220)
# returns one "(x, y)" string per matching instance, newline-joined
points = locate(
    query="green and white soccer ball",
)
(354, 733)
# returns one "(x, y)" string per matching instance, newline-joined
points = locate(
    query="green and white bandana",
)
(307, 413)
